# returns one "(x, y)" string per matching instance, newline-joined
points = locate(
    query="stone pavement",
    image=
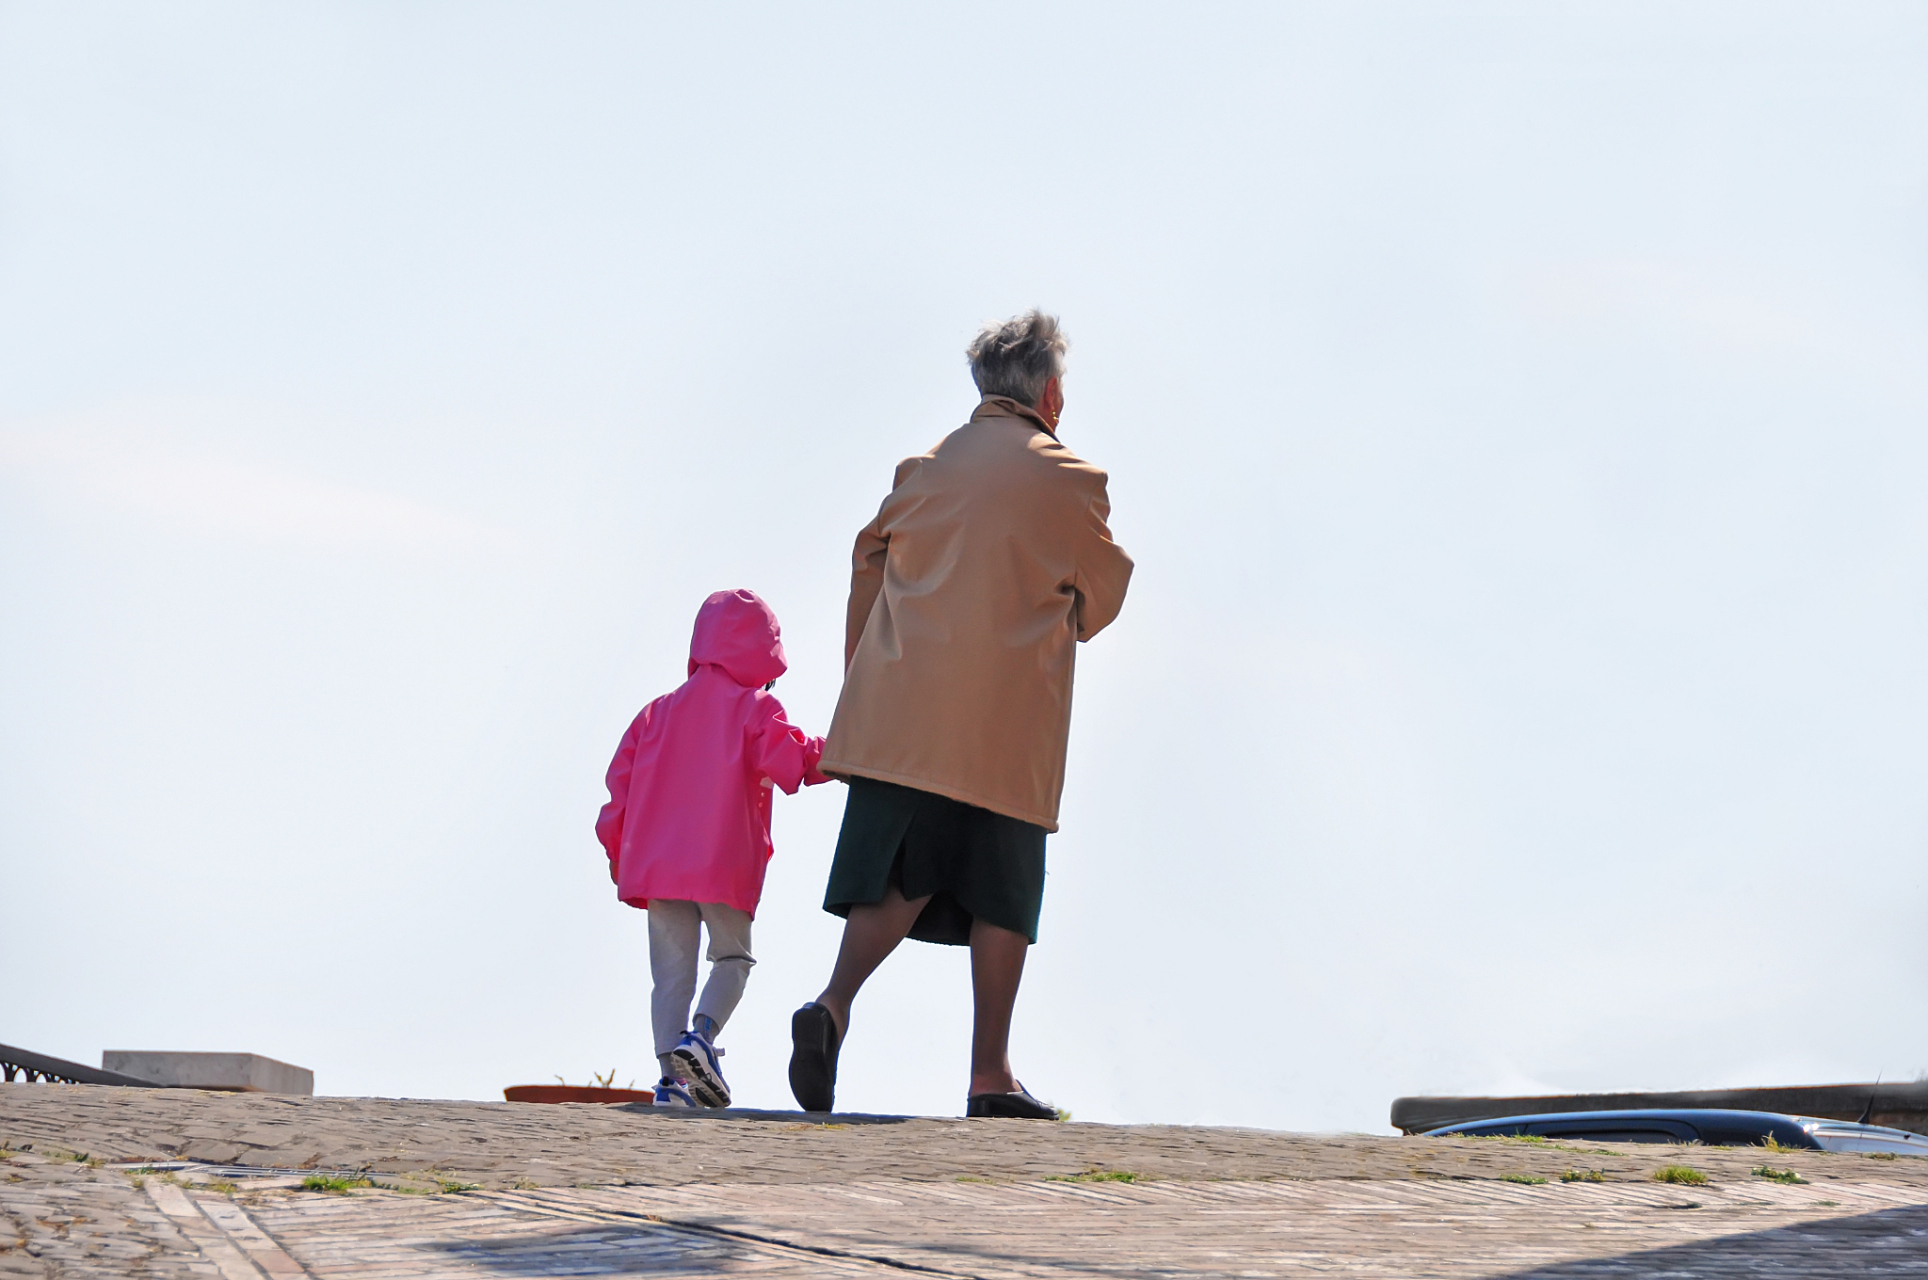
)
(102, 1181)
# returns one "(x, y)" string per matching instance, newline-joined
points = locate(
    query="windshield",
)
(1868, 1140)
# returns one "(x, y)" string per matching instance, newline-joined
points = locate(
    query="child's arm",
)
(609, 823)
(781, 752)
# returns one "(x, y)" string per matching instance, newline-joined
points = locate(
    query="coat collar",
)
(1006, 407)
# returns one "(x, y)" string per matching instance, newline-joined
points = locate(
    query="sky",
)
(1515, 412)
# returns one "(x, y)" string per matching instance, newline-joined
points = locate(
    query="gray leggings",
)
(672, 964)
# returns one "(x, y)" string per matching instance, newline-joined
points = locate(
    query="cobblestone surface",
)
(478, 1190)
(60, 1217)
(504, 1145)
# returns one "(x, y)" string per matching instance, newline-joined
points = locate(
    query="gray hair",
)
(1017, 357)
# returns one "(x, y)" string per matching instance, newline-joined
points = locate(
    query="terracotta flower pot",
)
(575, 1093)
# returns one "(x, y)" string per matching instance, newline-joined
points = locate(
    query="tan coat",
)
(989, 557)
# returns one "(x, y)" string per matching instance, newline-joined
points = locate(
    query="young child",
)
(687, 828)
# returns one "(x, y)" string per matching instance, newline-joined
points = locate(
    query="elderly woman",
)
(987, 561)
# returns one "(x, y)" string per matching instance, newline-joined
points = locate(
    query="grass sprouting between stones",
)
(1583, 1175)
(62, 1153)
(1530, 1179)
(1680, 1175)
(1095, 1175)
(333, 1185)
(1777, 1175)
(1537, 1139)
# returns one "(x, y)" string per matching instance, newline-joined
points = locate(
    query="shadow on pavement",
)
(1890, 1242)
(642, 1249)
(749, 1113)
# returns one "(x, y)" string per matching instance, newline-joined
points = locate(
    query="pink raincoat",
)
(688, 816)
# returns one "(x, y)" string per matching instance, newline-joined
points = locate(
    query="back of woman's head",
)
(1018, 356)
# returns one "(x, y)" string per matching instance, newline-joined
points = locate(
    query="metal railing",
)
(38, 1068)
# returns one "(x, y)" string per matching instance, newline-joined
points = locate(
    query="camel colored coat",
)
(989, 558)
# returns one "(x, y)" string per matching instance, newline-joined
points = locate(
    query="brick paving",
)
(481, 1190)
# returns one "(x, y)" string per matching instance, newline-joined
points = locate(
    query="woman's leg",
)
(872, 932)
(673, 939)
(997, 965)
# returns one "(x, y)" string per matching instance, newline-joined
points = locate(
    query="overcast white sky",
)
(1516, 412)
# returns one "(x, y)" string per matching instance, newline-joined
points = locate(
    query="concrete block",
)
(239, 1072)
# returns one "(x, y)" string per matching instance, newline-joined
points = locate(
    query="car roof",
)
(1697, 1116)
(1712, 1125)
(1689, 1115)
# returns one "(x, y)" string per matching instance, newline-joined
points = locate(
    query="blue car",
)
(1691, 1124)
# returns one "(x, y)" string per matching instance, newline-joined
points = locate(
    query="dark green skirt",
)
(973, 863)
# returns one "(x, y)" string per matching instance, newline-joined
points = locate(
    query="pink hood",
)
(688, 816)
(736, 631)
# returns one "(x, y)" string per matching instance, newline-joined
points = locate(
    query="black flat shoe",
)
(1008, 1106)
(813, 1057)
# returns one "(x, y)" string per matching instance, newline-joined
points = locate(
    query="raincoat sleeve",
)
(781, 752)
(609, 823)
(1104, 570)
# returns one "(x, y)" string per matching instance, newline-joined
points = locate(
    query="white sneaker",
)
(673, 1093)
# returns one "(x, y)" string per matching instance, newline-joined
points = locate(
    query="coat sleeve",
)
(780, 752)
(609, 823)
(867, 564)
(866, 581)
(1104, 570)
